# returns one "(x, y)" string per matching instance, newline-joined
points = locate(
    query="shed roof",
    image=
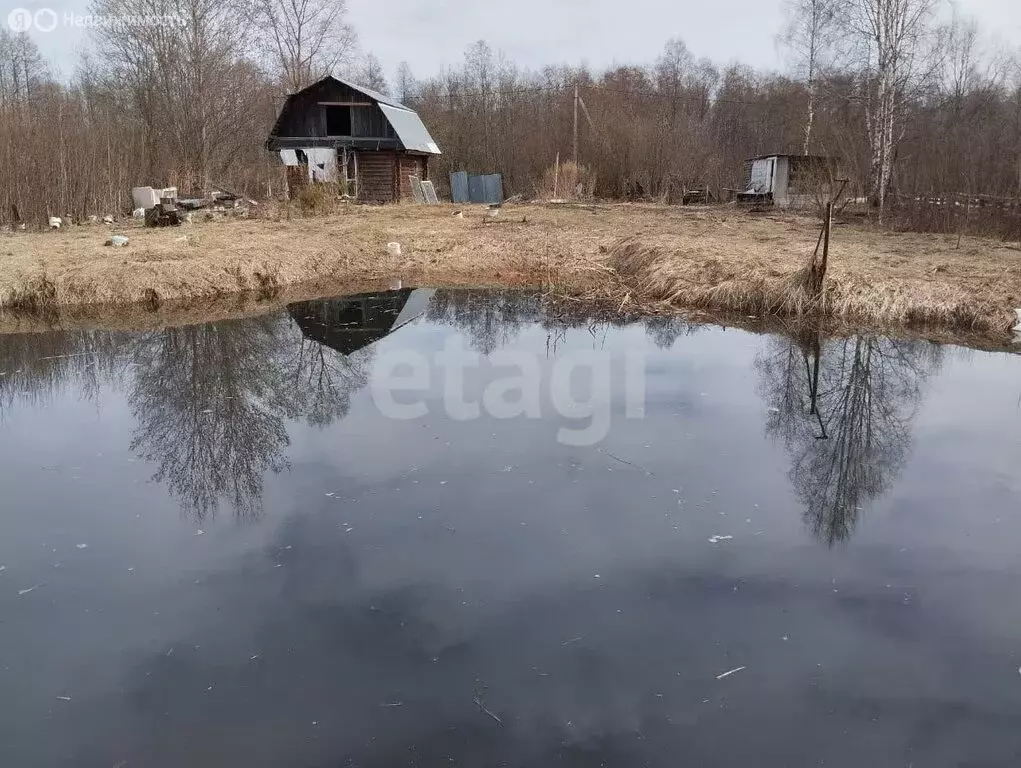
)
(410, 130)
(405, 121)
(787, 154)
(374, 95)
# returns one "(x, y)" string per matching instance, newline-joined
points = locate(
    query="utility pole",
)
(576, 124)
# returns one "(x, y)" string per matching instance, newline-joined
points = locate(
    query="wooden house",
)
(337, 132)
(790, 180)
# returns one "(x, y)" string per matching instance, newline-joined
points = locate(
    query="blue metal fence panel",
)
(476, 189)
(486, 189)
(459, 187)
(492, 189)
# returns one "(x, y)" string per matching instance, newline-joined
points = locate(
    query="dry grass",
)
(709, 258)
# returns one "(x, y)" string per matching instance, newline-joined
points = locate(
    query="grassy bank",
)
(652, 257)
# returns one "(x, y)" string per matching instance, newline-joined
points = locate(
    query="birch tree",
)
(890, 36)
(811, 34)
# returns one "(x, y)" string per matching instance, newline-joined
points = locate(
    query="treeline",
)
(191, 105)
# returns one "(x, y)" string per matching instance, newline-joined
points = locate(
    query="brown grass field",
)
(642, 257)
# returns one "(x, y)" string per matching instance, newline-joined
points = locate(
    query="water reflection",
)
(489, 319)
(212, 403)
(843, 408)
(33, 366)
(209, 402)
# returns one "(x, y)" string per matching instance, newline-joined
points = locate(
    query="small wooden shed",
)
(334, 131)
(790, 180)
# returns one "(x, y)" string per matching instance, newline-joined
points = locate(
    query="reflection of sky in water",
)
(451, 567)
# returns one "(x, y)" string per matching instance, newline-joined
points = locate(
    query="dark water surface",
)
(217, 551)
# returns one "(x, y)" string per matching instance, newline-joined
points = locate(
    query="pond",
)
(451, 527)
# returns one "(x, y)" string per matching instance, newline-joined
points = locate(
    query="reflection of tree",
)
(843, 409)
(324, 380)
(494, 318)
(211, 401)
(490, 319)
(33, 366)
(664, 330)
(211, 404)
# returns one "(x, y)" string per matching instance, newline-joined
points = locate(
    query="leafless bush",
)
(959, 215)
(568, 182)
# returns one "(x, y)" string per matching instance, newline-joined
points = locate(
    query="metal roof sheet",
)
(410, 129)
(787, 154)
(375, 95)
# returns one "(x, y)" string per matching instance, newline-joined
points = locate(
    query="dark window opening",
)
(338, 121)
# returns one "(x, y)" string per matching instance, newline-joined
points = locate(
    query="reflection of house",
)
(335, 131)
(350, 323)
(790, 180)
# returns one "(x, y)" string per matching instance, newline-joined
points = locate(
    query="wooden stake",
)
(556, 179)
(826, 241)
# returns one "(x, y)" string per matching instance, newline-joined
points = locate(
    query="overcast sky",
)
(432, 34)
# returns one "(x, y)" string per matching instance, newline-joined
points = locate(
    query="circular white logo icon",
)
(45, 20)
(20, 20)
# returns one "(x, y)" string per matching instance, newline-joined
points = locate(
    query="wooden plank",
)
(396, 178)
(409, 167)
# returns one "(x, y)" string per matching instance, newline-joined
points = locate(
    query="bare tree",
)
(844, 409)
(405, 86)
(22, 69)
(810, 33)
(188, 79)
(306, 39)
(370, 74)
(187, 105)
(890, 36)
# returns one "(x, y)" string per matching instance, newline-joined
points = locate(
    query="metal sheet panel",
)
(410, 130)
(459, 187)
(781, 174)
(382, 98)
(760, 176)
(476, 189)
(430, 193)
(492, 189)
(487, 189)
(416, 306)
(416, 189)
